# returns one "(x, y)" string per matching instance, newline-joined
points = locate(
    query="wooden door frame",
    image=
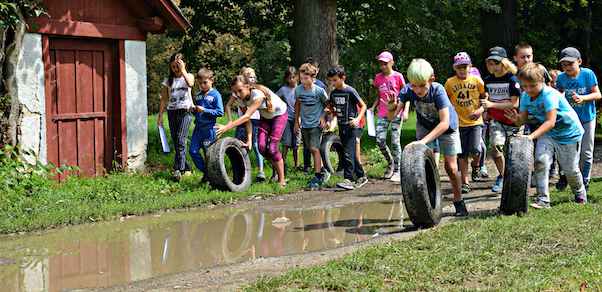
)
(118, 111)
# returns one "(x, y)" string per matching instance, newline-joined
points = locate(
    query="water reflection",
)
(125, 255)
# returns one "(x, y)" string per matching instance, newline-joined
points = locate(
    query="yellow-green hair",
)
(420, 71)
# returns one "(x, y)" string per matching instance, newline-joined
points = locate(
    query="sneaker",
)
(562, 183)
(460, 209)
(177, 175)
(396, 177)
(580, 199)
(476, 174)
(499, 184)
(540, 204)
(553, 172)
(362, 181)
(260, 177)
(466, 188)
(314, 184)
(483, 172)
(346, 185)
(389, 172)
(204, 180)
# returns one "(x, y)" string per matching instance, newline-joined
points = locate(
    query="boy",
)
(345, 101)
(208, 106)
(465, 91)
(309, 115)
(580, 88)
(290, 140)
(437, 121)
(389, 83)
(559, 131)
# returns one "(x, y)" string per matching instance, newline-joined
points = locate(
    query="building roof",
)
(171, 13)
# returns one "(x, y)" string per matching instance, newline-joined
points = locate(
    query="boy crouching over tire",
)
(437, 121)
(349, 108)
(560, 132)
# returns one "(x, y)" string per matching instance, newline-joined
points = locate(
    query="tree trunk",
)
(314, 33)
(588, 34)
(499, 29)
(11, 110)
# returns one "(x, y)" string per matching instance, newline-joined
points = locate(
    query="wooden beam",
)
(45, 25)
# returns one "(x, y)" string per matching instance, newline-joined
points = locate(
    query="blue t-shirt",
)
(581, 85)
(568, 129)
(427, 107)
(319, 83)
(312, 103)
(212, 102)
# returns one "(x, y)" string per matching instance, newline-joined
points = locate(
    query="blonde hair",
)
(532, 72)
(509, 67)
(420, 71)
(205, 73)
(309, 69)
(246, 72)
(264, 90)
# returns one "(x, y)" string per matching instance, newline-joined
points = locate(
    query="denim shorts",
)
(312, 137)
(470, 139)
(449, 143)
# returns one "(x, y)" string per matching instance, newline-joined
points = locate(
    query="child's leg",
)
(544, 152)
(277, 126)
(587, 150)
(463, 157)
(450, 146)
(258, 155)
(358, 148)
(196, 143)
(306, 156)
(396, 125)
(568, 160)
(348, 141)
(382, 126)
(357, 164)
(497, 141)
(179, 124)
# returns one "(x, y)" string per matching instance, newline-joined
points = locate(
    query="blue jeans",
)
(202, 138)
(241, 134)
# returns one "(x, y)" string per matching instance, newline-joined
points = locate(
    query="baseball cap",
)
(385, 57)
(462, 58)
(497, 54)
(570, 54)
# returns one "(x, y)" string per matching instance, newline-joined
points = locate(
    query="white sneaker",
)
(396, 177)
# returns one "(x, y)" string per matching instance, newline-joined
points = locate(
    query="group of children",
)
(557, 111)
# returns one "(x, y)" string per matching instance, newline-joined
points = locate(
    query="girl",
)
(176, 97)
(287, 93)
(248, 136)
(503, 90)
(273, 119)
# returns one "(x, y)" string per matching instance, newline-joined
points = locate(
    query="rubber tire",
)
(421, 186)
(517, 176)
(239, 159)
(330, 141)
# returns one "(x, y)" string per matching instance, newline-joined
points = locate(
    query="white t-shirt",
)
(180, 94)
(279, 106)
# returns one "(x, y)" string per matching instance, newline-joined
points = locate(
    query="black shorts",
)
(470, 138)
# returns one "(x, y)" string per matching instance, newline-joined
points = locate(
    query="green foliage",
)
(10, 11)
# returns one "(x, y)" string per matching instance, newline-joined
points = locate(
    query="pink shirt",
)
(387, 85)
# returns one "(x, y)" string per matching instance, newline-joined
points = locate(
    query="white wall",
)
(136, 107)
(29, 88)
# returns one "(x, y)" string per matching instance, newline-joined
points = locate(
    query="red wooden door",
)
(79, 105)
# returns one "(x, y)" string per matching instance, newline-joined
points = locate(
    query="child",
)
(344, 103)
(554, 76)
(176, 96)
(317, 82)
(248, 136)
(389, 83)
(208, 107)
(273, 117)
(503, 92)
(437, 121)
(309, 115)
(523, 55)
(465, 92)
(580, 88)
(560, 132)
(290, 140)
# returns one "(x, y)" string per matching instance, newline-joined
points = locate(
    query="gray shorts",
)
(312, 137)
(498, 133)
(289, 138)
(448, 143)
(470, 139)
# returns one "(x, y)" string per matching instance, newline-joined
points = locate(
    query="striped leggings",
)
(179, 125)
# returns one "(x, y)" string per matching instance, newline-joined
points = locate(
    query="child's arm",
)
(297, 115)
(164, 98)
(519, 119)
(547, 125)
(246, 117)
(363, 107)
(502, 105)
(595, 95)
(440, 128)
(249, 127)
(218, 111)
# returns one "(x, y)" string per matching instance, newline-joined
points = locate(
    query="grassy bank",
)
(32, 202)
(549, 250)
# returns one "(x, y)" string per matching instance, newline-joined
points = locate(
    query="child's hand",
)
(199, 109)
(355, 123)
(181, 65)
(160, 120)
(511, 114)
(221, 129)
(296, 128)
(486, 103)
(578, 99)
(246, 145)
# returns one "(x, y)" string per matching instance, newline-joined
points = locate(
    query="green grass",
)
(36, 203)
(549, 250)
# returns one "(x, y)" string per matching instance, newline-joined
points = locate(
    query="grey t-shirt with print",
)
(180, 94)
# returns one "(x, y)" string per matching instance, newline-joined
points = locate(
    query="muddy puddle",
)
(109, 254)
